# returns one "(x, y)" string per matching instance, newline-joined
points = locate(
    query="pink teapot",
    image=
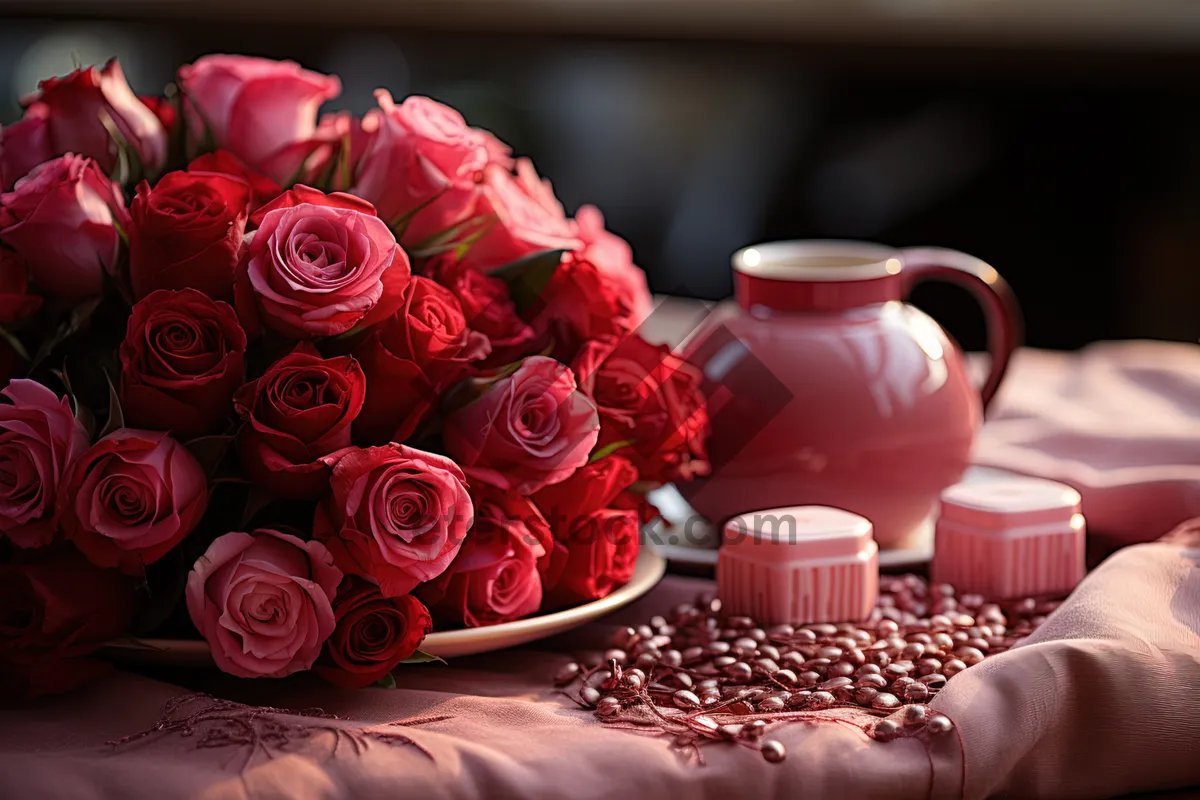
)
(826, 388)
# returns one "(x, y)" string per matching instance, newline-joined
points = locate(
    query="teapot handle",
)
(999, 304)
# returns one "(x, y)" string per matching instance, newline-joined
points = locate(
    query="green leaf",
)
(527, 277)
(116, 416)
(81, 316)
(608, 450)
(14, 342)
(421, 657)
(466, 232)
(386, 682)
(210, 451)
(400, 224)
(83, 414)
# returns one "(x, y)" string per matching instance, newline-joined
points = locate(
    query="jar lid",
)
(798, 533)
(1010, 503)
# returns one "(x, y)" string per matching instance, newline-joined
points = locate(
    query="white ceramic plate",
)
(446, 644)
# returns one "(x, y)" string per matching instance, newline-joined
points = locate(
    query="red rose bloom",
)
(300, 410)
(596, 547)
(412, 358)
(54, 610)
(579, 303)
(495, 577)
(182, 359)
(187, 233)
(130, 498)
(649, 397)
(373, 634)
(223, 162)
(487, 308)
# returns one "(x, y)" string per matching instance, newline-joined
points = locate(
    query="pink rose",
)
(264, 602)
(72, 110)
(24, 145)
(613, 257)
(527, 431)
(39, 437)
(130, 498)
(264, 111)
(396, 515)
(320, 265)
(63, 218)
(528, 218)
(337, 162)
(495, 577)
(424, 161)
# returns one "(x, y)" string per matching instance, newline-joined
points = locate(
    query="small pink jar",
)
(797, 565)
(1019, 537)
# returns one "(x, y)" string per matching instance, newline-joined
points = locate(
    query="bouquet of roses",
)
(306, 388)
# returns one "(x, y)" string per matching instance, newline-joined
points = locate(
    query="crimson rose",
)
(373, 634)
(15, 301)
(486, 307)
(182, 359)
(300, 410)
(223, 162)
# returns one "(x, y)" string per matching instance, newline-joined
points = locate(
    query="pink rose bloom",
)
(264, 111)
(528, 218)
(529, 430)
(130, 498)
(319, 265)
(396, 515)
(423, 158)
(24, 145)
(39, 437)
(62, 218)
(613, 258)
(264, 602)
(70, 109)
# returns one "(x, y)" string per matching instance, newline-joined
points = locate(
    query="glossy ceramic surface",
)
(827, 389)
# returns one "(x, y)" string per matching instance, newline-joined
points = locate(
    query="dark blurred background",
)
(1059, 140)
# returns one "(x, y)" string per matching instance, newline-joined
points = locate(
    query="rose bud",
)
(223, 162)
(182, 359)
(130, 498)
(264, 111)
(373, 634)
(651, 398)
(495, 577)
(40, 438)
(396, 515)
(320, 265)
(54, 610)
(74, 110)
(528, 430)
(596, 547)
(529, 218)
(62, 218)
(300, 410)
(412, 358)
(613, 258)
(422, 165)
(263, 601)
(187, 232)
(486, 308)
(15, 301)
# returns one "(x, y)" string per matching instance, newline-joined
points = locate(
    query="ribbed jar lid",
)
(798, 533)
(1010, 503)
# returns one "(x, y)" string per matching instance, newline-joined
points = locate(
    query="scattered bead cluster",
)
(704, 676)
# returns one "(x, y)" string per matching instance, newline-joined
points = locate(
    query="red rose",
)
(423, 164)
(54, 611)
(130, 498)
(300, 410)
(162, 108)
(613, 257)
(580, 302)
(63, 218)
(223, 162)
(495, 577)
(23, 145)
(596, 547)
(396, 515)
(264, 111)
(320, 265)
(15, 302)
(412, 358)
(487, 308)
(649, 397)
(187, 233)
(373, 634)
(74, 110)
(39, 437)
(528, 430)
(182, 359)
(528, 218)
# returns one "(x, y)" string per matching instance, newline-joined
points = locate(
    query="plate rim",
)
(648, 571)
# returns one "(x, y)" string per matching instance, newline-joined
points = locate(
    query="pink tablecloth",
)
(1103, 701)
